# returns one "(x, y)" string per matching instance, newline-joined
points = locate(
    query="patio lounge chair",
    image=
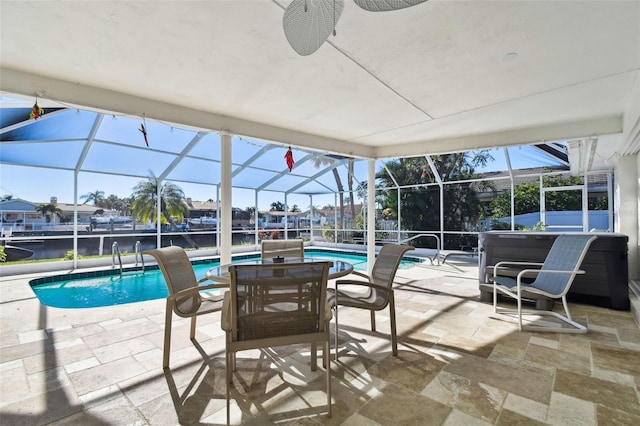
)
(282, 248)
(379, 290)
(185, 292)
(552, 280)
(277, 305)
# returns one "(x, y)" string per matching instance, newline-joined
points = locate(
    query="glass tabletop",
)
(339, 268)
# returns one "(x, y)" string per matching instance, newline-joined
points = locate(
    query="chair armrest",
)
(203, 279)
(225, 315)
(363, 284)
(360, 274)
(195, 290)
(506, 263)
(550, 271)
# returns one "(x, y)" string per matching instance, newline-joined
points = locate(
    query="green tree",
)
(6, 197)
(527, 197)
(96, 197)
(113, 202)
(294, 209)
(420, 205)
(562, 200)
(526, 200)
(127, 205)
(145, 202)
(49, 210)
(277, 206)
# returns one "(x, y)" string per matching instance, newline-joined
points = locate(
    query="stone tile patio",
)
(458, 364)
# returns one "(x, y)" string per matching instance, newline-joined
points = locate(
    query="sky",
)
(71, 127)
(39, 185)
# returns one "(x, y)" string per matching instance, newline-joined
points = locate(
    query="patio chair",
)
(553, 279)
(282, 248)
(379, 290)
(276, 305)
(186, 297)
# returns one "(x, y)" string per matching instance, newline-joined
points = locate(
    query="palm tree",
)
(326, 161)
(144, 204)
(350, 184)
(48, 210)
(252, 212)
(95, 197)
(6, 197)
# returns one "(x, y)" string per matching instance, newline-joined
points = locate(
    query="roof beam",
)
(252, 160)
(31, 121)
(103, 100)
(557, 151)
(317, 175)
(182, 154)
(90, 139)
(282, 173)
(528, 136)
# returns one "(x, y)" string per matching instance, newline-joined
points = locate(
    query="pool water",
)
(108, 288)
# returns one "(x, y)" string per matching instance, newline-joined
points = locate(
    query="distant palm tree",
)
(326, 161)
(252, 212)
(144, 204)
(48, 210)
(6, 197)
(96, 197)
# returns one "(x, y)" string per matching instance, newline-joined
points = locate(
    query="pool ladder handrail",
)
(115, 249)
(138, 251)
(437, 256)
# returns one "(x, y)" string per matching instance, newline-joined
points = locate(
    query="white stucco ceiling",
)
(427, 79)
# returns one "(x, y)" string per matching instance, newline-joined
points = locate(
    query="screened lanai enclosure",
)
(117, 172)
(425, 125)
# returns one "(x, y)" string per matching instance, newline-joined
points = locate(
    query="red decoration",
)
(289, 157)
(36, 111)
(144, 134)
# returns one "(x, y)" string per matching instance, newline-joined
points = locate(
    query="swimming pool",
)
(107, 288)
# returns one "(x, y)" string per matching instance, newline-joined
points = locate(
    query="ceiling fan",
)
(308, 23)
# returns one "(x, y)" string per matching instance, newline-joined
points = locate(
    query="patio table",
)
(339, 268)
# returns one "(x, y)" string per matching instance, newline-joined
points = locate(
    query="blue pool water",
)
(107, 288)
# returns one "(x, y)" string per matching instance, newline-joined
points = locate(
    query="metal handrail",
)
(138, 251)
(438, 247)
(115, 249)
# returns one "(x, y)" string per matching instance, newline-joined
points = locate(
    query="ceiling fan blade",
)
(308, 23)
(386, 5)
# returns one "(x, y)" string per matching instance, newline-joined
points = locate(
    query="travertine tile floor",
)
(458, 364)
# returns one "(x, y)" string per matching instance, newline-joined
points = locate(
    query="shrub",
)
(69, 255)
(3, 255)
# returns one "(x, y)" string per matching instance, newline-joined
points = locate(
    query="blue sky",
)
(39, 185)
(58, 139)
